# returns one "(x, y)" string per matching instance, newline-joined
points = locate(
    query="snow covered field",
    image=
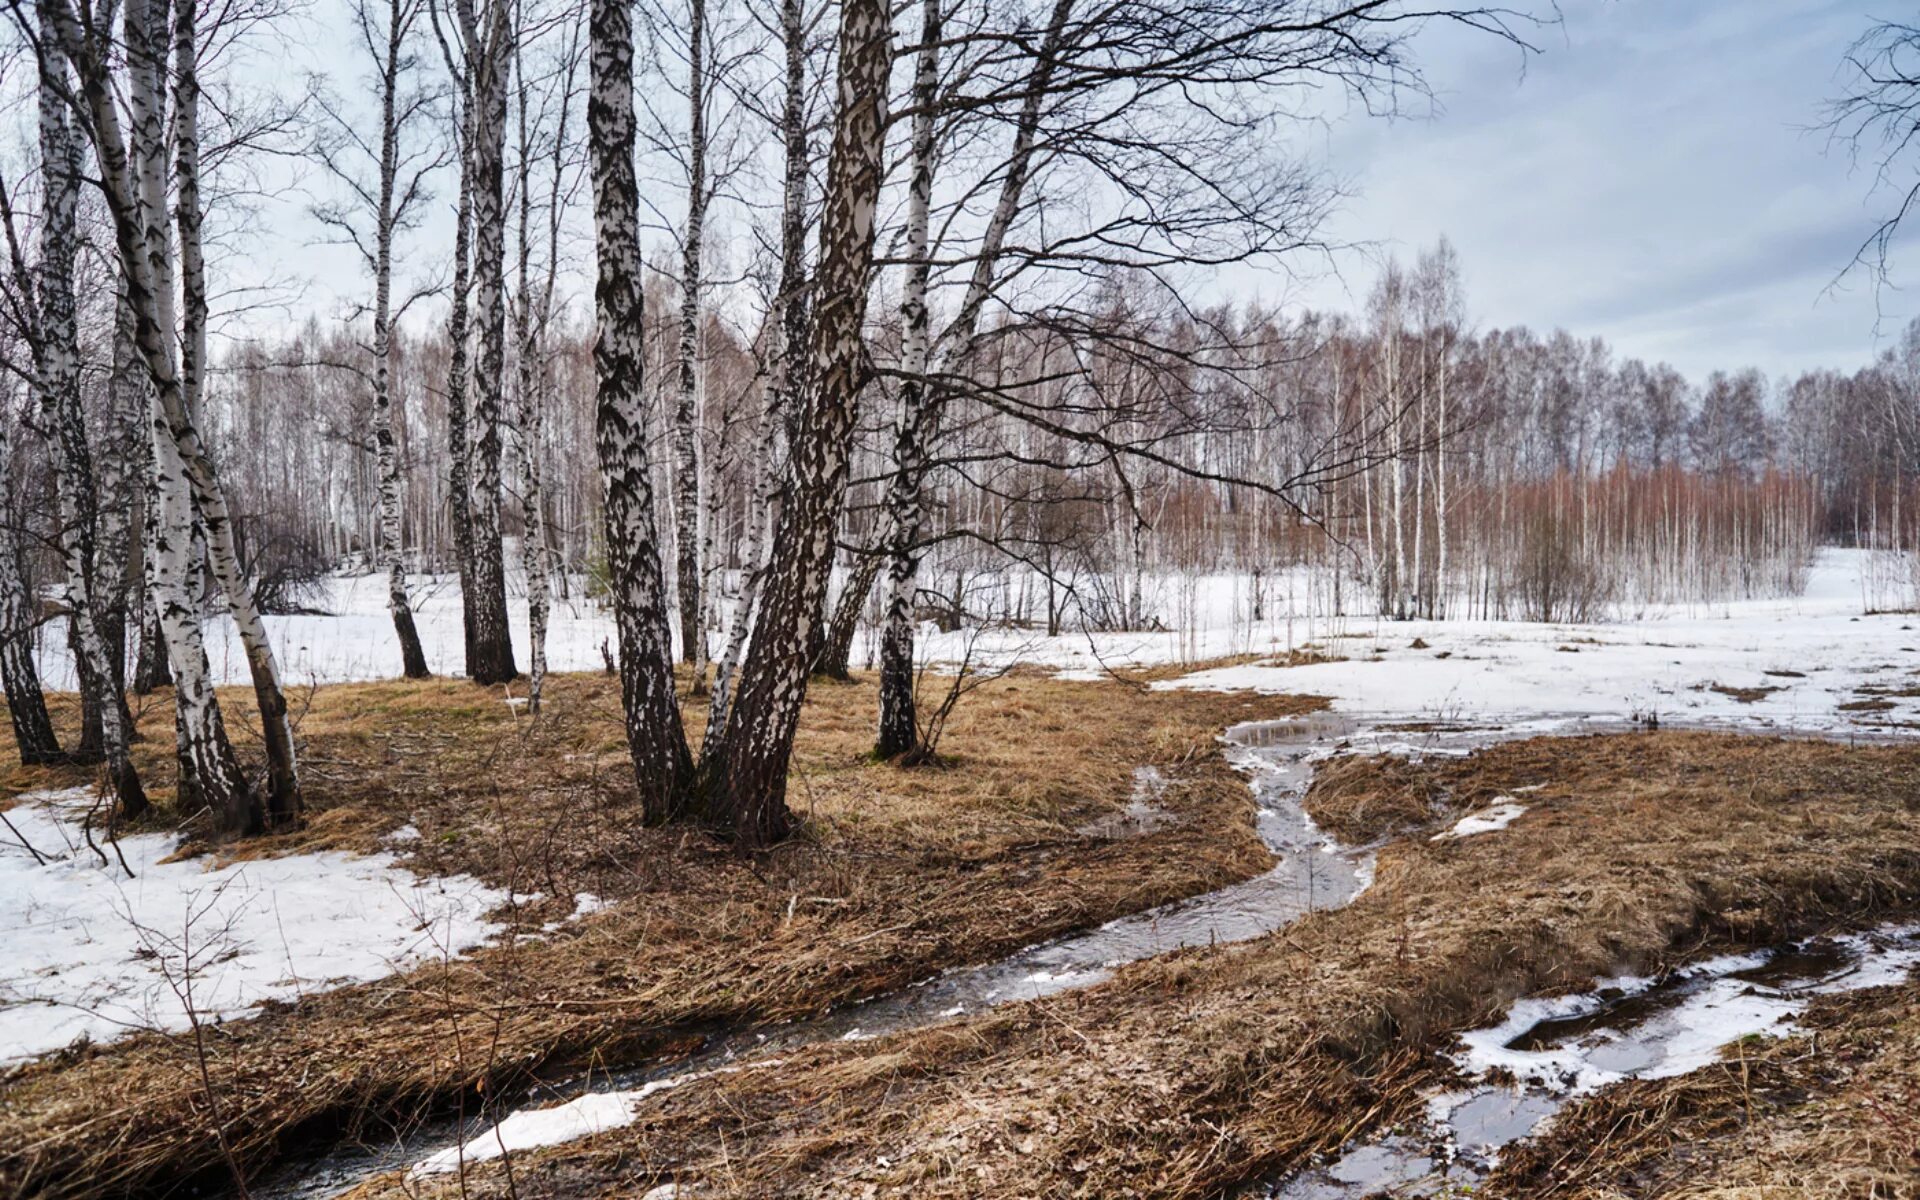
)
(1664, 661)
(1789, 664)
(91, 952)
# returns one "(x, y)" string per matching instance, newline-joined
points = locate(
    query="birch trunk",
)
(116, 561)
(489, 52)
(921, 399)
(57, 381)
(836, 645)
(392, 484)
(789, 324)
(528, 374)
(686, 416)
(26, 703)
(183, 475)
(656, 741)
(747, 789)
(899, 729)
(459, 455)
(182, 409)
(134, 413)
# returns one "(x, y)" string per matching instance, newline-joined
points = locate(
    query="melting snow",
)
(1720, 1008)
(92, 953)
(583, 1116)
(1498, 815)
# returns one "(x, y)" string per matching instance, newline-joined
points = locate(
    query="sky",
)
(1655, 176)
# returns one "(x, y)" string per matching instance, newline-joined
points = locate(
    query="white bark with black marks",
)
(788, 322)
(656, 740)
(687, 460)
(747, 785)
(57, 382)
(488, 38)
(180, 453)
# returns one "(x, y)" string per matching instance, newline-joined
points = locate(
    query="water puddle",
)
(1145, 813)
(1547, 1052)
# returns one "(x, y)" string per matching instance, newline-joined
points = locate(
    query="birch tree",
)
(656, 740)
(688, 569)
(139, 230)
(533, 315)
(55, 339)
(33, 733)
(386, 179)
(787, 322)
(487, 36)
(746, 789)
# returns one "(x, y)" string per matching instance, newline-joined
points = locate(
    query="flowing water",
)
(1549, 1052)
(1311, 872)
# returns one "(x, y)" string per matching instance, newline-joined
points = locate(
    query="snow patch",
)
(1496, 816)
(583, 1116)
(94, 954)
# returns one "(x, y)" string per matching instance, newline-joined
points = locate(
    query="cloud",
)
(1654, 177)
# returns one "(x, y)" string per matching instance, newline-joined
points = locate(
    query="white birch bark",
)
(57, 381)
(789, 327)
(140, 232)
(488, 38)
(391, 480)
(656, 741)
(687, 463)
(747, 790)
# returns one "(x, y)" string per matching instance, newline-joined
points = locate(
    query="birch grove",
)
(836, 324)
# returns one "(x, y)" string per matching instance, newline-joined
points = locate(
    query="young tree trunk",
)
(116, 560)
(276, 726)
(488, 57)
(686, 415)
(789, 325)
(19, 675)
(529, 377)
(459, 454)
(747, 787)
(134, 412)
(656, 741)
(392, 483)
(921, 400)
(58, 384)
(835, 651)
(899, 730)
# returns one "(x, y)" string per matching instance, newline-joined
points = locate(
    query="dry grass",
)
(1190, 1074)
(900, 874)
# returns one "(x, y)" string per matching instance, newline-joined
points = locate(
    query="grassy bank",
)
(1190, 1074)
(899, 874)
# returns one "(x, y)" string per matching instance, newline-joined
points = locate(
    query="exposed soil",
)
(1744, 695)
(1201, 1071)
(899, 874)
